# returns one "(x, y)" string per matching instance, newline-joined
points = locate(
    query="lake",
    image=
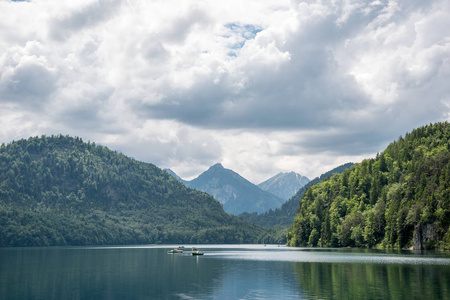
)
(223, 272)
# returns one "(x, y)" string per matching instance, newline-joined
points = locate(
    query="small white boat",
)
(173, 251)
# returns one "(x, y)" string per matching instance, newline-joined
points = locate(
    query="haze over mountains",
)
(238, 195)
(284, 185)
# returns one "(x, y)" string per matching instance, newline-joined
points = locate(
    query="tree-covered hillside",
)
(399, 199)
(284, 216)
(60, 190)
(279, 221)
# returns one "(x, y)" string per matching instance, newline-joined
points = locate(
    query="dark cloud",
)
(29, 84)
(154, 51)
(84, 108)
(308, 90)
(63, 27)
(314, 89)
(179, 28)
(347, 142)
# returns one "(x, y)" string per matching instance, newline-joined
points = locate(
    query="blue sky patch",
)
(241, 34)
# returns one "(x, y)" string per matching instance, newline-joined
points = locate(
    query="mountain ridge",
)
(284, 184)
(284, 216)
(236, 193)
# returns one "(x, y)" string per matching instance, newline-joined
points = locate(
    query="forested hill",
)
(399, 199)
(279, 221)
(60, 190)
(284, 216)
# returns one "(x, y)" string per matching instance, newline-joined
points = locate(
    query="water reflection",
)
(100, 274)
(224, 272)
(373, 281)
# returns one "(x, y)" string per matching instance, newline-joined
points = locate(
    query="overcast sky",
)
(259, 86)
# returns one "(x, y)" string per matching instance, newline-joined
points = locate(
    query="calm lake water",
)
(224, 272)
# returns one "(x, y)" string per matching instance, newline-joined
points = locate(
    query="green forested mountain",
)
(285, 215)
(280, 220)
(399, 199)
(60, 190)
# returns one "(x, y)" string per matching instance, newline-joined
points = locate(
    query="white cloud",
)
(27, 76)
(261, 86)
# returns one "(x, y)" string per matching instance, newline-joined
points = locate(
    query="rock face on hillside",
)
(284, 185)
(425, 237)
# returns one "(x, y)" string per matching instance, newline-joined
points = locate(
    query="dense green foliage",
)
(280, 220)
(59, 190)
(284, 215)
(383, 201)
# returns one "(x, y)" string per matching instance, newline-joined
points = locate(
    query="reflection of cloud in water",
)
(338, 256)
(184, 296)
(256, 280)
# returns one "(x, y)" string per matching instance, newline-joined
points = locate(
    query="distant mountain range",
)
(236, 193)
(284, 185)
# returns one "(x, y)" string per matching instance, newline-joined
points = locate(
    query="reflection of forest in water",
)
(373, 281)
(57, 273)
(253, 272)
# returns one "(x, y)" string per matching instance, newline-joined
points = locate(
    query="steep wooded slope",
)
(400, 199)
(279, 221)
(284, 216)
